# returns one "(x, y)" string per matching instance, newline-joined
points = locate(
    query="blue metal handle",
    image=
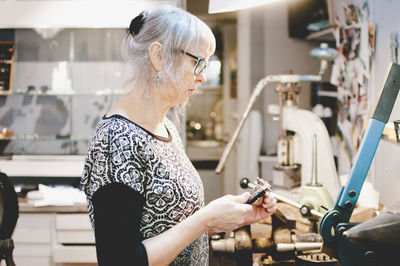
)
(361, 166)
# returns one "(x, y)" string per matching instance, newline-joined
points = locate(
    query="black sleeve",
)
(117, 212)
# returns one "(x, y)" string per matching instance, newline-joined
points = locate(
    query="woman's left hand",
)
(262, 208)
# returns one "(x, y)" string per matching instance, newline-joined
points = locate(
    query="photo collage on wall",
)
(355, 41)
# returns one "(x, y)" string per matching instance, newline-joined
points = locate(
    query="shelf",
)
(25, 207)
(43, 166)
(201, 150)
(63, 93)
(332, 94)
(323, 35)
(43, 138)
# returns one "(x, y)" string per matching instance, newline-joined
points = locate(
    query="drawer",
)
(30, 261)
(31, 235)
(74, 254)
(75, 237)
(32, 250)
(73, 229)
(34, 220)
(76, 221)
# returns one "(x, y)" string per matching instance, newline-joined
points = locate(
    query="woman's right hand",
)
(227, 213)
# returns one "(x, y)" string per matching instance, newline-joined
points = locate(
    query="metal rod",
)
(280, 96)
(299, 246)
(295, 204)
(260, 86)
(314, 174)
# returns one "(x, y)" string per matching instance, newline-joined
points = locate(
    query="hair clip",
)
(137, 23)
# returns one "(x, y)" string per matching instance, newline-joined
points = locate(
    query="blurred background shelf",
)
(62, 93)
(323, 35)
(44, 138)
(389, 140)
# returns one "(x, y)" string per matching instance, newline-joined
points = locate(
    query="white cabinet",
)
(32, 239)
(74, 239)
(54, 239)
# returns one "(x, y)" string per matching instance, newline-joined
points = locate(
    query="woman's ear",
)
(155, 55)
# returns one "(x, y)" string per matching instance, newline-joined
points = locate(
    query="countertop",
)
(204, 150)
(25, 207)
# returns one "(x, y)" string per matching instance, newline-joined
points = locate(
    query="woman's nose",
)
(202, 77)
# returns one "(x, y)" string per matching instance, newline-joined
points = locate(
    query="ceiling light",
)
(219, 6)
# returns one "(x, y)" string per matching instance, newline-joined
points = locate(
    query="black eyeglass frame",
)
(198, 59)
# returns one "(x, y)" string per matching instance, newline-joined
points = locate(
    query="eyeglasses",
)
(201, 63)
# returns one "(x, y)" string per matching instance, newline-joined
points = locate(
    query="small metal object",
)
(369, 256)
(305, 210)
(44, 88)
(352, 193)
(316, 259)
(258, 190)
(395, 46)
(31, 88)
(335, 217)
(397, 129)
(341, 230)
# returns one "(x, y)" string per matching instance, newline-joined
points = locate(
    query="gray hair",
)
(176, 30)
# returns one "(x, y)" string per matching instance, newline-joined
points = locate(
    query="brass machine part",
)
(261, 239)
(240, 242)
(223, 246)
(288, 95)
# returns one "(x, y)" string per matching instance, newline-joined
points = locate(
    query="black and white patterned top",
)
(156, 167)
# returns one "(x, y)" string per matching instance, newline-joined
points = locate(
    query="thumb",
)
(242, 198)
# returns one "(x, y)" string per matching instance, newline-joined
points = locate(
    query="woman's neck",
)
(148, 112)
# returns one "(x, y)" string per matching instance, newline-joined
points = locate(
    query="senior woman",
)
(145, 198)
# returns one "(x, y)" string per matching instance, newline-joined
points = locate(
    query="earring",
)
(157, 79)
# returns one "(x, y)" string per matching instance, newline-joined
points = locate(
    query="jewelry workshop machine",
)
(305, 155)
(373, 242)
